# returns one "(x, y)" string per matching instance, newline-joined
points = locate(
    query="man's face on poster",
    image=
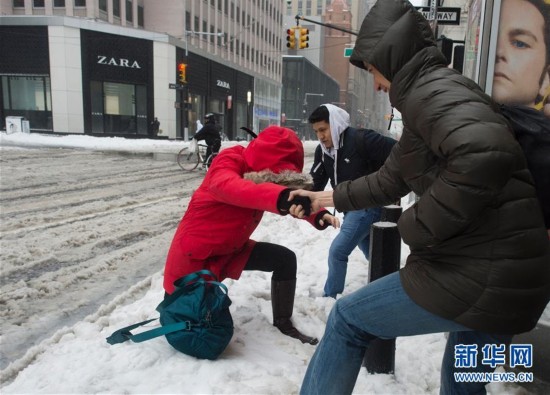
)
(521, 54)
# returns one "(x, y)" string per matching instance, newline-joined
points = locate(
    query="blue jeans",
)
(354, 232)
(382, 309)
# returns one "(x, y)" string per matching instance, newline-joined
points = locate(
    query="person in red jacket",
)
(238, 188)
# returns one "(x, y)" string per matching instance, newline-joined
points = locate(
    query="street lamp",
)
(192, 33)
(305, 104)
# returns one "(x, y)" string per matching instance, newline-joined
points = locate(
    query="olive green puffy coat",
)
(479, 251)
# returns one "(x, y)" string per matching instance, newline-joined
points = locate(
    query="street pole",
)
(305, 101)
(184, 99)
(330, 26)
(184, 114)
(192, 33)
(248, 101)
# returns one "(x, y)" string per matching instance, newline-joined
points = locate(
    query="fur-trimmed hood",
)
(285, 178)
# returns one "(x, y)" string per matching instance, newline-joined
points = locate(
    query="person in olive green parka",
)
(479, 263)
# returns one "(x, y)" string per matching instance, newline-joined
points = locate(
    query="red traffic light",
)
(182, 67)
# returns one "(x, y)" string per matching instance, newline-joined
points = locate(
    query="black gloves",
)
(283, 204)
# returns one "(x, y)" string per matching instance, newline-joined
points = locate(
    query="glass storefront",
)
(267, 107)
(196, 112)
(28, 96)
(118, 108)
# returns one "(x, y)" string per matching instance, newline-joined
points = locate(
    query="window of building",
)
(118, 108)
(196, 24)
(30, 97)
(38, 3)
(187, 21)
(129, 11)
(59, 3)
(27, 93)
(103, 5)
(140, 16)
(80, 3)
(116, 8)
(119, 99)
(18, 3)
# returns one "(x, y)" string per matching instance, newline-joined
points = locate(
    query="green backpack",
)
(195, 318)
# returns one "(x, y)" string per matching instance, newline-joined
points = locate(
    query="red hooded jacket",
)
(224, 211)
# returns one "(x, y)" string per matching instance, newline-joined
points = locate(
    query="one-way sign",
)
(445, 15)
(176, 86)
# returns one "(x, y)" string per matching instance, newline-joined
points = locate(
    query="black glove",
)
(283, 204)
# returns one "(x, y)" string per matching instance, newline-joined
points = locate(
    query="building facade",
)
(103, 69)
(357, 95)
(305, 87)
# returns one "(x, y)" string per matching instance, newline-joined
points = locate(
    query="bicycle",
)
(189, 161)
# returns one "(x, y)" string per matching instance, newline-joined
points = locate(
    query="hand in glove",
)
(283, 204)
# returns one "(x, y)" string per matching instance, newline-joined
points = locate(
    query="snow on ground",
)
(102, 228)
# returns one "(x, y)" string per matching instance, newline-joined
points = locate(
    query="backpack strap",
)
(124, 334)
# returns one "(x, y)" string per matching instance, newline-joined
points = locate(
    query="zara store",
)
(72, 75)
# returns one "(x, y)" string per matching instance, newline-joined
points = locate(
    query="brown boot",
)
(282, 302)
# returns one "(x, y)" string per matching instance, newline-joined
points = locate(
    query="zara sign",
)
(120, 62)
(223, 84)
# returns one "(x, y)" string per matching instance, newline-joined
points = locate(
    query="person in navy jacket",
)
(344, 154)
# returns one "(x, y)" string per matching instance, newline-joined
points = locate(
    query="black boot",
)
(282, 302)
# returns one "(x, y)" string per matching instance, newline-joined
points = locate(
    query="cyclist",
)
(210, 133)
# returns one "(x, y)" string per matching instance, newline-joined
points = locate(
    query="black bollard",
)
(391, 213)
(385, 257)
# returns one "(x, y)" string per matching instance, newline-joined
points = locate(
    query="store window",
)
(118, 108)
(196, 113)
(29, 97)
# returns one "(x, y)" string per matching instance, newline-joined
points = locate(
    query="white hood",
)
(339, 121)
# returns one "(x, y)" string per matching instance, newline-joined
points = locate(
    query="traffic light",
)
(304, 38)
(291, 38)
(181, 73)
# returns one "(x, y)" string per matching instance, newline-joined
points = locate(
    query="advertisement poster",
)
(522, 69)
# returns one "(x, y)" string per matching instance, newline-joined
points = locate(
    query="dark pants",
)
(268, 257)
(213, 148)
